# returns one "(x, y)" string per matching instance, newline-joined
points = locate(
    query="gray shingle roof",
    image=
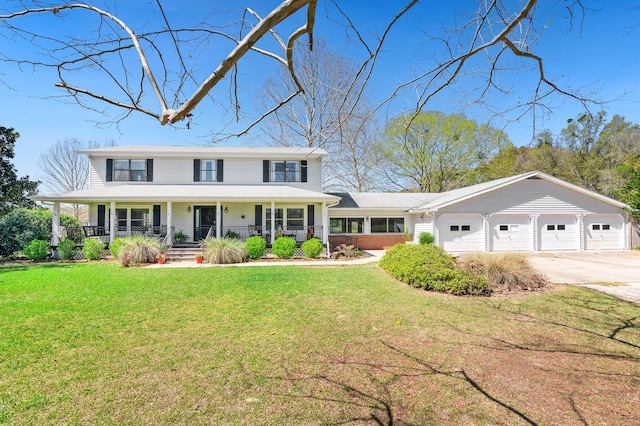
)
(189, 193)
(382, 200)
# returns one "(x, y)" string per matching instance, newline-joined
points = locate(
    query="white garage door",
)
(603, 232)
(558, 232)
(461, 232)
(510, 233)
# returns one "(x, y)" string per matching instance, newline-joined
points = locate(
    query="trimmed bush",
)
(504, 272)
(116, 246)
(37, 250)
(426, 238)
(93, 249)
(431, 268)
(255, 246)
(224, 250)
(138, 250)
(312, 248)
(284, 247)
(67, 249)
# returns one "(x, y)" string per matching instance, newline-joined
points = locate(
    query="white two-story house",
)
(203, 191)
(277, 191)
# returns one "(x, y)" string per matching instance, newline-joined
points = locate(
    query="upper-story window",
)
(284, 171)
(207, 170)
(129, 170)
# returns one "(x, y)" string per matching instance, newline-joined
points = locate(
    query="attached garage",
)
(603, 232)
(461, 232)
(558, 232)
(510, 233)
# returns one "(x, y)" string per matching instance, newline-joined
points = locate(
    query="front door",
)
(204, 219)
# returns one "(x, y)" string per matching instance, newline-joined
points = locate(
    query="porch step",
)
(183, 254)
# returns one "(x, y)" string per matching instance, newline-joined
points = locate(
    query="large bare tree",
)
(64, 170)
(325, 115)
(161, 68)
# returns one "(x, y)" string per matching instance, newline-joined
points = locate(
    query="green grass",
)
(94, 343)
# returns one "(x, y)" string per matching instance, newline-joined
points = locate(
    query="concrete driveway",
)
(591, 269)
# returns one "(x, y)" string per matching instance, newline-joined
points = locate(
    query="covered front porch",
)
(184, 214)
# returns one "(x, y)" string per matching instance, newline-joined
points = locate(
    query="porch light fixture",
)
(189, 209)
(226, 209)
(242, 215)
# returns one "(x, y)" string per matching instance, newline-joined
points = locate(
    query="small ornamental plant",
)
(312, 248)
(256, 246)
(67, 249)
(284, 247)
(37, 250)
(426, 238)
(93, 249)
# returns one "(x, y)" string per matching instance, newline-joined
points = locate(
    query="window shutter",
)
(311, 215)
(220, 171)
(303, 171)
(258, 218)
(265, 170)
(101, 214)
(149, 170)
(196, 170)
(109, 169)
(156, 215)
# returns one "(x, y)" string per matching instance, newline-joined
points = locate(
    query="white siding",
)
(532, 196)
(179, 171)
(422, 225)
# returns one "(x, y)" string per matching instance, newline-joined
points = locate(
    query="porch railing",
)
(103, 232)
(300, 234)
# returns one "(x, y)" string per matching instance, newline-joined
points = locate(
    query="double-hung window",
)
(285, 171)
(208, 170)
(130, 170)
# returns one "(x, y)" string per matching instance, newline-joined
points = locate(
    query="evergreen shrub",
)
(67, 249)
(116, 246)
(255, 246)
(93, 249)
(312, 248)
(37, 250)
(426, 238)
(431, 268)
(284, 247)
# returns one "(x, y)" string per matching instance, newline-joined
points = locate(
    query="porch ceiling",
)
(188, 193)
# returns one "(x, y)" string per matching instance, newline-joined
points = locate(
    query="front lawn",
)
(94, 343)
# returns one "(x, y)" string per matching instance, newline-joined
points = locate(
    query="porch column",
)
(273, 222)
(218, 219)
(169, 221)
(55, 225)
(112, 222)
(325, 223)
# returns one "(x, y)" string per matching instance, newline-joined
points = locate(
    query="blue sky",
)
(602, 59)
